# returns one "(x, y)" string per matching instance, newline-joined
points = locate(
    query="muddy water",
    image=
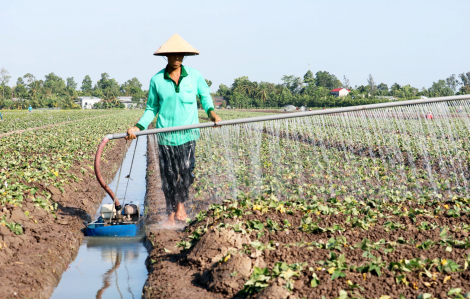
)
(112, 267)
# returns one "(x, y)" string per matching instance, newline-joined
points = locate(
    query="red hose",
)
(98, 173)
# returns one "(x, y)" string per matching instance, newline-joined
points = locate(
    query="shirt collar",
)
(183, 73)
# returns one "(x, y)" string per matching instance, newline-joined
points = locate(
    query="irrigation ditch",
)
(112, 267)
(31, 264)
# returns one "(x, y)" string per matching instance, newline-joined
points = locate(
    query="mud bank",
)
(154, 198)
(167, 277)
(264, 254)
(31, 264)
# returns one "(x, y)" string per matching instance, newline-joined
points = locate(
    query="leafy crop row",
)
(308, 217)
(370, 198)
(20, 120)
(45, 156)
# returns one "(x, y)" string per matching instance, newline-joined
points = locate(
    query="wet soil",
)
(154, 198)
(222, 260)
(219, 264)
(167, 278)
(31, 264)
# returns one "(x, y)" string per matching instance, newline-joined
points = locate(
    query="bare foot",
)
(170, 221)
(181, 212)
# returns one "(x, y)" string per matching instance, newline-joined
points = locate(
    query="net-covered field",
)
(355, 205)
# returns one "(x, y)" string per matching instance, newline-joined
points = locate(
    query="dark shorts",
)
(176, 170)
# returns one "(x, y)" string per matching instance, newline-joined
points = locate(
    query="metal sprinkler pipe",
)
(291, 115)
(254, 119)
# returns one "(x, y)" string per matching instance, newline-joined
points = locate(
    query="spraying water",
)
(380, 153)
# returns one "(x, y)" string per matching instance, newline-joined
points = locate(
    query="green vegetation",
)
(19, 120)
(365, 158)
(14, 227)
(46, 156)
(371, 203)
(360, 266)
(314, 91)
(54, 91)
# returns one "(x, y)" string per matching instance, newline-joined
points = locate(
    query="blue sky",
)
(409, 42)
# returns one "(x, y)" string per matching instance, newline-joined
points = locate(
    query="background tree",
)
(465, 78)
(363, 89)
(132, 87)
(71, 84)
(453, 83)
(394, 89)
(54, 86)
(439, 89)
(4, 78)
(209, 82)
(372, 86)
(30, 79)
(108, 88)
(87, 85)
(293, 83)
(346, 83)
(308, 77)
(382, 89)
(312, 91)
(223, 91)
(326, 80)
(20, 89)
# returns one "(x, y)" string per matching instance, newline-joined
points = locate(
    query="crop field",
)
(21, 120)
(356, 205)
(48, 190)
(44, 156)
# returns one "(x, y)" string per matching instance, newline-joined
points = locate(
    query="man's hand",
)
(130, 133)
(214, 117)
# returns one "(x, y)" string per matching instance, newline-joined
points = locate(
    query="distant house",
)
(127, 101)
(88, 102)
(218, 101)
(340, 92)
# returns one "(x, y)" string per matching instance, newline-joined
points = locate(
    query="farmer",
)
(429, 115)
(172, 95)
(30, 108)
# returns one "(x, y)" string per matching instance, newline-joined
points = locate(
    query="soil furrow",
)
(31, 264)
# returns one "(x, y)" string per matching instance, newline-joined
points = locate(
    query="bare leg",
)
(181, 212)
(170, 221)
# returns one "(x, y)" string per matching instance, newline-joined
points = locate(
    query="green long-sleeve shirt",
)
(176, 104)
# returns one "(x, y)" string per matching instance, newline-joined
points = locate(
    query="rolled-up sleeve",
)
(153, 106)
(204, 93)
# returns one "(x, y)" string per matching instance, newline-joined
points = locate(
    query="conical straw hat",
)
(176, 44)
